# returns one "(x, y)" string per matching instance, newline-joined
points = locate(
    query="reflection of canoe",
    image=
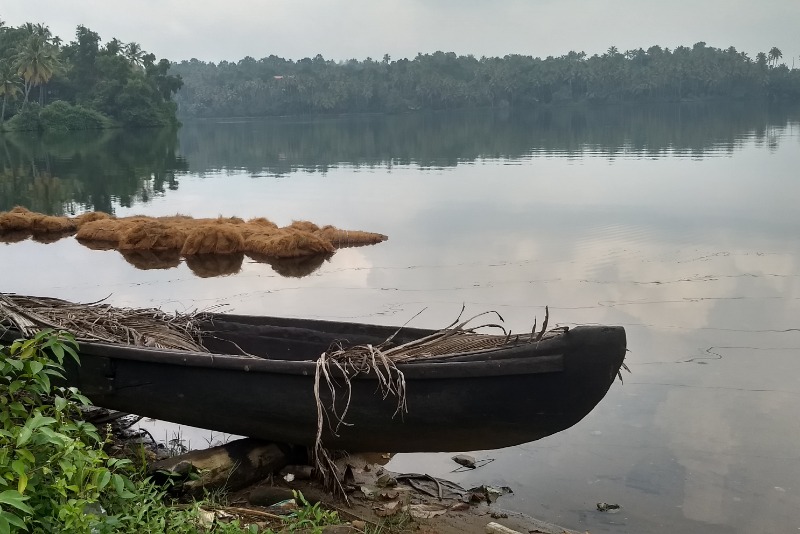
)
(481, 399)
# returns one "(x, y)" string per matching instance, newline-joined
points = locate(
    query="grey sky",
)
(232, 29)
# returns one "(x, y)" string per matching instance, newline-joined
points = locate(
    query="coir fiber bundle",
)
(258, 225)
(288, 243)
(210, 265)
(47, 224)
(349, 238)
(229, 220)
(152, 235)
(152, 259)
(18, 218)
(214, 238)
(306, 226)
(90, 216)
(107, 230)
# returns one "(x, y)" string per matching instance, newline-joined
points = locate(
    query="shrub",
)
(54, 474)
(26, 120)
(61, 116)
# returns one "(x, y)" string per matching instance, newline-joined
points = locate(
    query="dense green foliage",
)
(276, 86)
(80, 85)
(55, 475)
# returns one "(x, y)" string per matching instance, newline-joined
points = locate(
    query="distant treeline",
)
(49, 85)
(277, 86)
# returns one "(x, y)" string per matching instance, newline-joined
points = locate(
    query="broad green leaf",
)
(58, 351)
(36, 367)
(28, 351)
(14, 520)
(119, 484)
(24, 436)
(71, 352)
(104, 479)
(13, 498)
(39, 420)
(18, 466)
(26, 454)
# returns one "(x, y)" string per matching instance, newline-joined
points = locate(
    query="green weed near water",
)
(54, 474)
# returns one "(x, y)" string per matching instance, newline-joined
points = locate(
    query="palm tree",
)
(114, 46)
(774, 55)
(9, 87)
(36, 62)
(135, 54)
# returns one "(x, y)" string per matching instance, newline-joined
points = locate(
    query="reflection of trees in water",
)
(281, 146)
(59, 172)
(96, 170)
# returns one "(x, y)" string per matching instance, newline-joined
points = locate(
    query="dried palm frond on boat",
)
(102, 322)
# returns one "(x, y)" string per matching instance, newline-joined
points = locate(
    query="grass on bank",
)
(56, 477)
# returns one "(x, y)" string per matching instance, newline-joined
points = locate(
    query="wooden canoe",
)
(475, 400)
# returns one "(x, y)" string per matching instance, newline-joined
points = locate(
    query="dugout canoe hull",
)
(491, 399)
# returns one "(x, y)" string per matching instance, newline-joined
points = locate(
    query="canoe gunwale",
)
(524, 364)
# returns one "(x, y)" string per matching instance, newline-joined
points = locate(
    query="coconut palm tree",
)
(135, 54)
(114, 46)
(9, 87)
(774, 55)
(36, 62)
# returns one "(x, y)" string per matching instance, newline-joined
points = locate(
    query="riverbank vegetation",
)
(56, 476)
(47, 85)
(277, 86)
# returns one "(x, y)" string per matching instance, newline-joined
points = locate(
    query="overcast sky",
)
(232, 29)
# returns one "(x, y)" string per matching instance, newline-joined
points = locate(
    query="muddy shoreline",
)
(260, 477)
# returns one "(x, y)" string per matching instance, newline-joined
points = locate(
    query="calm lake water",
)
(679, 222)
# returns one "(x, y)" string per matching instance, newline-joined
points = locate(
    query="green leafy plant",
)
(311, 517)
(51, 463)
(55, 475)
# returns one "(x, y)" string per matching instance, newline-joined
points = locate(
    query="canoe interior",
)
(280, 338)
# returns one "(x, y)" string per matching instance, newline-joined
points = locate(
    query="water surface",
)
(678, 222)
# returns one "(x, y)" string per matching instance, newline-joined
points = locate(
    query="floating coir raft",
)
(185, 236)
